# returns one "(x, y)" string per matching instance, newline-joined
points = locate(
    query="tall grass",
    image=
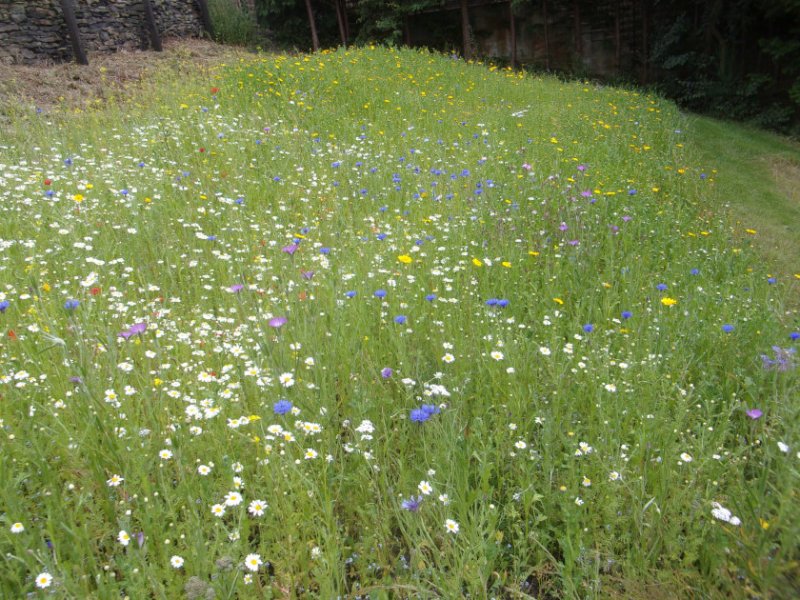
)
(466, 332)
(232, 24)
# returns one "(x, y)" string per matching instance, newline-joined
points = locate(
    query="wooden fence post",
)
(152, 26)
(205, 17)
(74, 35)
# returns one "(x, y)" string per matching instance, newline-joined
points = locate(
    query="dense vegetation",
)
(384, 323)
(737, 60)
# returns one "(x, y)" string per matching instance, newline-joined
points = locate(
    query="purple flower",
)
(290, 249)
(4, 305)
(754, 413)
(281, 407)
(411, 504)
(277, 322)
(236, 288)
(140, 539)
(71, 304)
(386, 372)
(307, 274)
(795, 335)
(661, 287)
(430, 297)
(350, 294)
(727, 328)
(491, 302)
(502, 303)
(626, 314)
(76, 380)
(563, 226)
(136, 329)
(783, 361)
(588, 328)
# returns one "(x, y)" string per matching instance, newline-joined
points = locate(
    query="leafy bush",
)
(232, 25)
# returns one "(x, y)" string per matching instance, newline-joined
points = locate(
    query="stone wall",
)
(34, 30)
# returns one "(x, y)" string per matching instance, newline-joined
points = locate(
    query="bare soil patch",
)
(68, 85)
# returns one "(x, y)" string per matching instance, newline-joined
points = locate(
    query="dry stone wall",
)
(34, 30)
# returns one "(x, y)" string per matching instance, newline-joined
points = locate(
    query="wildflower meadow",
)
(383, 323)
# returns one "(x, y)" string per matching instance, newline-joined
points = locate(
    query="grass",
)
(760, 184)
(380, 323)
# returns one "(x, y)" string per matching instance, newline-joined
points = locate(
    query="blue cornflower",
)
(281, 407)
(430, 297)
(71, 304)
(430, 409)
(771, 280)
(411, 504)
(695, 271)
(419, 416)
(386, 372)
(350, 294)
(588, 328)
(380, 293)
(727, 328)
(502, 303)
(491, 302)
(795, 335)
(626, 314)
(4, 305)
(400, 319)
(324, 250)
(661, 287)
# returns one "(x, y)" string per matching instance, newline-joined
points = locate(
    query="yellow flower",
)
(46, 287)
(506, 264)
(666, 301)
(533, 253)
(558, 301)
(405, 259)
(751, 231)
(477, 262)
(157, 382)
(78, 198)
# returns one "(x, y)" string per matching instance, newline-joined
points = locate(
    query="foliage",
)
(381, 323)
(232, 25)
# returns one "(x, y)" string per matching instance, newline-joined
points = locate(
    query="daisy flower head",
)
(218, 510)
(252, 562)
(44, 580)
(124, 537)
(165, 454)
(17, 527)
(115, 480)
(176, 562)
(425, 487)
(257, 508)
(233, 499)
(204, 470)
(451, 526)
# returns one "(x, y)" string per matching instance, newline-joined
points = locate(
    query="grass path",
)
(758, 177)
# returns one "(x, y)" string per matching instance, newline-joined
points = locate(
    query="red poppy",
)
(202, 149)
(214, 90)
(48, 181)
(94, 291)
(11, 334)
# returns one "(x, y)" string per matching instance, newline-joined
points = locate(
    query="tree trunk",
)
(74, 35)
(546, 36)
(205, 17)
(513, 27)
(617, 39)
(466, 32)
(152, 26)
(313, 25)
(340, 20)
(645, 43)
